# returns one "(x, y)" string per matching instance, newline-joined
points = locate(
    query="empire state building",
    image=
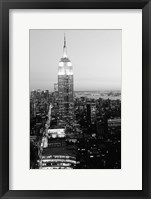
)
(65, 89)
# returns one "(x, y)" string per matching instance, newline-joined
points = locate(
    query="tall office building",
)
(91, 113)
(65, 89)
(55, 93)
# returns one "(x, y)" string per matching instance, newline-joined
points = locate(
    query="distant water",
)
(112, 95)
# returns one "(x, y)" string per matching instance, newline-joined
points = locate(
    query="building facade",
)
(65, 89)
(114, 126)
(91, 113)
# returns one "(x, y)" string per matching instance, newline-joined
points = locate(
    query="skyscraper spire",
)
(64, 40)
(64, 48)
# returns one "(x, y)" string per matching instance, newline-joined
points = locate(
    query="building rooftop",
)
(58, 151)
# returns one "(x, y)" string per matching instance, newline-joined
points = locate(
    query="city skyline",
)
(95, 55)
(69, 130)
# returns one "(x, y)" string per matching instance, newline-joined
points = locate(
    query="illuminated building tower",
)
(65, 89)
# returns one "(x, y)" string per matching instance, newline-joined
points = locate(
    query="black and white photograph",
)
(75, 98)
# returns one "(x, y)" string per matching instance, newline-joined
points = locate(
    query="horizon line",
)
(79, 90)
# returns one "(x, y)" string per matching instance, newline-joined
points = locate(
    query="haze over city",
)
(95, 56)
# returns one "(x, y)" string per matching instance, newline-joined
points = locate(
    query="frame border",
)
(5, 5)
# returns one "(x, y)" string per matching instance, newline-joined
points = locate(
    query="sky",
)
(96, 56)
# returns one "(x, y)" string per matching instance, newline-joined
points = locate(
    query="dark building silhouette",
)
(91, 113)
(65, 89)
(114, 126)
